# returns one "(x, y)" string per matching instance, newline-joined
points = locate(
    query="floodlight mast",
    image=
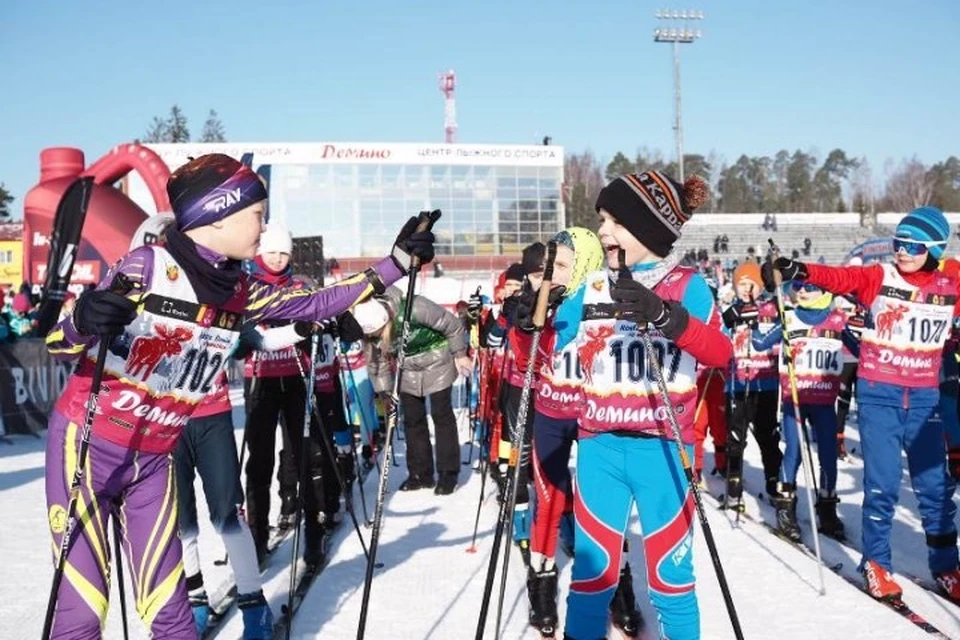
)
(678, 33)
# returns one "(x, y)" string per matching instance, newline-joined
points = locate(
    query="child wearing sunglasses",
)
(913, 305)
(814, 326)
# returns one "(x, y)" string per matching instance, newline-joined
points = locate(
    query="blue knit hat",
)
(926, 224)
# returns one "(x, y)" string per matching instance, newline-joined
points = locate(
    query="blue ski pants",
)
(885, 433)
(614, 472)
(823, 420)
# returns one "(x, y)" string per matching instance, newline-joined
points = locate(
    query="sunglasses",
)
(798, 286)
(913, 247)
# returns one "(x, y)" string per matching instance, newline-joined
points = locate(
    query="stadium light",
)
(677, 36)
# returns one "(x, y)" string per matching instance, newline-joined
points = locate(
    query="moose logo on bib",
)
(888, 319)
(147, 351)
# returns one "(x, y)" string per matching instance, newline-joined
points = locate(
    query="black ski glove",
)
(103, 313)
(348, 328)
(740, 314)
(639, 304)
(306, 329)
(411, 242)
(789, 269)
(508, 310)
(522, 318)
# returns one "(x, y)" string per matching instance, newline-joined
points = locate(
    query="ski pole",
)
(425, 222)
(356, 456)
(472, 412)
(123, 595)
(328, 448)
(121, 286)
(734, 432)
(518, 437)
(483, 466)
(687, 468)
(347, 493)
(801, 432)
(287, 609)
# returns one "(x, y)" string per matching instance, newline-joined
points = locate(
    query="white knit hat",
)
(372, 316)
(276, 238)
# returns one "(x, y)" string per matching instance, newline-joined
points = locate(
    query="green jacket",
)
(436, 337)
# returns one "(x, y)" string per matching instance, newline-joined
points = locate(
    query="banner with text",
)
(30, 383)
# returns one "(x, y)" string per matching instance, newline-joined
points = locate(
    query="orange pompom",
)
(695, 192)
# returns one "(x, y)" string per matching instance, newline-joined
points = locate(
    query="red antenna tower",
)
(448, 82)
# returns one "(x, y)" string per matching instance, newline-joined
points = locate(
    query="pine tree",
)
(620, 165)
(213, 129)
(177, 130)
(157, 131)
(5, 199)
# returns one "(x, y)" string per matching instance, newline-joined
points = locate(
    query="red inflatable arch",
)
(112, 217)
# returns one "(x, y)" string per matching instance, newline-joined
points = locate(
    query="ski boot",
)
(288, 513)
(200, 607)
(257, 617)
(841, 447)
(624, 614)
(734, 496)
(415, 483)
(772, 490)
(542, 592)
(786, 505)
(880, 584)
(949, 584)
(446, 483)
(366, 457)
(830, 524)
(316, 540)
(567, 528)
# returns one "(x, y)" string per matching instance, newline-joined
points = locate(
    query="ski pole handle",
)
(774, 255)
(425, 222)
(543, 296)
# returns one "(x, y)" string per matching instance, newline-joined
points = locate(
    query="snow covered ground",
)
(430, 587)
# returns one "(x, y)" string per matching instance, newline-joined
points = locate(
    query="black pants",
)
(419, 449)
(330, 408)
(510, 407)
(758, 408)
(271, 399)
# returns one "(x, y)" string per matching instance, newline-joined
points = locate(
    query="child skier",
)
(913, 306)
(514, 323)
(626, 451)
(188, 299)
(753, 387)
(276, 388)
(814, 328)
(508, 286)
(204, 448)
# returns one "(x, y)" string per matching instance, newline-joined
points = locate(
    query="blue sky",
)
(878, 78)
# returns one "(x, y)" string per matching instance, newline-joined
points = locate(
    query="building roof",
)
(11, 231)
